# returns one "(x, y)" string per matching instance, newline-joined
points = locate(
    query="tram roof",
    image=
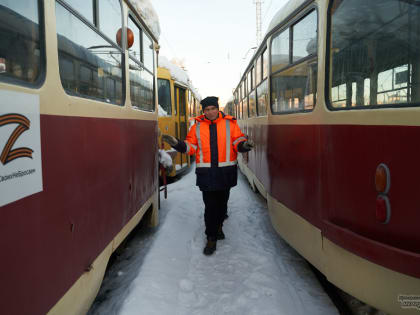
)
(145, 10)
(284, 12)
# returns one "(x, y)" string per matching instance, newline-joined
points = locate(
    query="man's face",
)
(211, 112)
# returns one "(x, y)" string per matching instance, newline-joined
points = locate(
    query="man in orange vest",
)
(215, 139)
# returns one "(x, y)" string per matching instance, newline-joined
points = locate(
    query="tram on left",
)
(78, 145)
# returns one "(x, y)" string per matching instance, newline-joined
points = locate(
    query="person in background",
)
(215, 139)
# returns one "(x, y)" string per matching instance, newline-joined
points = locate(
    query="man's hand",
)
(248, 144)
(172, 141)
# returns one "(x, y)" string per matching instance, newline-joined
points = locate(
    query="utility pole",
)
(258, 9)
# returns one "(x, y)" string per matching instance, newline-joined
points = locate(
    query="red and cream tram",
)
(78, 145)
(332, 100)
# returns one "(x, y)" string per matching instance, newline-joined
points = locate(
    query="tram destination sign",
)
(20, 146)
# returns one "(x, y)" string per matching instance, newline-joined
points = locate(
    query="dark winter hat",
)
(210, 101)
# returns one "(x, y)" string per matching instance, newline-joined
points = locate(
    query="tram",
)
(179, 103)
(230, 108)
(331, 98)
(78, 145)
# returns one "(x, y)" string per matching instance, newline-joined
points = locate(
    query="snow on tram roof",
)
(284, 12)
(145, 9)
(178, 74)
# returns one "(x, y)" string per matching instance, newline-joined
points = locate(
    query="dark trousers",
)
(215, 210)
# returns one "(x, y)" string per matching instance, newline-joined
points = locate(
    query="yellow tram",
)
(178, 103)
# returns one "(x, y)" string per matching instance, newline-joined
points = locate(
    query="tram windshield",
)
(375, 51)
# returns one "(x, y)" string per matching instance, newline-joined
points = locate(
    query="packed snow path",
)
(253, 271)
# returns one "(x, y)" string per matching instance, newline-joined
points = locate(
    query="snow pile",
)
(252, 271)
(148, 14)
(178, 74)
(162, 112)
(195, 92)
(165, 159)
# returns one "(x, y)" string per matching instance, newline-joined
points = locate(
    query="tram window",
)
(111, 90)
(265, 64)
(69, 77)
(182, 101)
(84, 7)
(110, 17)
(141, 87)
(85, 80)
(293, 86)
(196, 105)
(262, 94)
(249, 79)
(375, 51)
(294, 89)
(148, 52)
(176, 91)
(86, 49)
(338, 95)
(252, 108)
(305, 37)
(245, 107)
(258, 70)
(253, 78)
(135, 50)
(164, 96)
(21, 47)
(280, 45)
(238, 110)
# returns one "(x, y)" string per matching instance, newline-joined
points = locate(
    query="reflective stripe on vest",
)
(228, 141)
(238, 140)
(221, 164)
(189, 146)
(197, 133)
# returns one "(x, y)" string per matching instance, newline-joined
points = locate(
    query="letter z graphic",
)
(7, 154)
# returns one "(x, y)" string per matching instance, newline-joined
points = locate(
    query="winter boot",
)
(220, 234)
(210, 247)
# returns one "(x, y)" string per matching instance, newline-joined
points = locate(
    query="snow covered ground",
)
(253, 271)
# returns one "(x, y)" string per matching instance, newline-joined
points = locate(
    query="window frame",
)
(140, 62)
(170, 96)
(95, 28)
(328, 69)
(289, 25)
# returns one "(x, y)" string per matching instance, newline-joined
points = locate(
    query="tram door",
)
(182, 124)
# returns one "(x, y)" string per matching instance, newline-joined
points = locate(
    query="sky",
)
(163, 270)
(213, 38)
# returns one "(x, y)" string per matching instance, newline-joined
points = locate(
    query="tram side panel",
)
(258, 158)
(97, 173)
(350, 196)
(294, 167)
(96, 176)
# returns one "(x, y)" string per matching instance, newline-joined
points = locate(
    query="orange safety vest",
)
(228, 137)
